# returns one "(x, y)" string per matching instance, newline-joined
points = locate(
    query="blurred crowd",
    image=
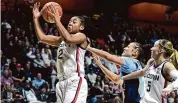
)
(28, 71)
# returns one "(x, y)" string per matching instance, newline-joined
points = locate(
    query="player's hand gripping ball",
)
(47, 11)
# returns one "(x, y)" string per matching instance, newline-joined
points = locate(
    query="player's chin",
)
(69, 30)
(123, 54)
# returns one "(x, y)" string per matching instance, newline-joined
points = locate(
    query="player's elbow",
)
(42, 38)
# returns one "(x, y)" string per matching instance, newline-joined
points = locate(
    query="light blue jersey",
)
(130, 65)
(134, 87)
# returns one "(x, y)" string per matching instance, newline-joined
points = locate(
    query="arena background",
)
(114, 24)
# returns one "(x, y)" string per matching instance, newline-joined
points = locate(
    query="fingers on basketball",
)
(48, 11)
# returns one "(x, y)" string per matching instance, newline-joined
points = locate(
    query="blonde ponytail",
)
(174, 58)
(168, 47)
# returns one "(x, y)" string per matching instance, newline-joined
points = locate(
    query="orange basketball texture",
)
(47, 16)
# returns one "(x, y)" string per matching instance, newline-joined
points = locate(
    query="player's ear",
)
(82, 27)
(135, 53)
(161, 50)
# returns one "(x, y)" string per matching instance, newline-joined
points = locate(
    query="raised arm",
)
(112, 58)
(68, 38)
(48, 39)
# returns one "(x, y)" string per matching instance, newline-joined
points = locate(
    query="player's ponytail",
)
(174, 58)
(169, 51)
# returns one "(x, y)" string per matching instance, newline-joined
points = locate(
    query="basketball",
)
(47, 16)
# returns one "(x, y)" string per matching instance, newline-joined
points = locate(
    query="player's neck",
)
(159, 60)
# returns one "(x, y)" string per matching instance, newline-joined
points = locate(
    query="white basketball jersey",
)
(70, 60)
(154, 83)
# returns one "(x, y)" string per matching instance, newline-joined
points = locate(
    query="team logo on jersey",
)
(152, 76)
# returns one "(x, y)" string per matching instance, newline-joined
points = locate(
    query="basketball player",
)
(157, 72)
(128, 63)
(72, 87)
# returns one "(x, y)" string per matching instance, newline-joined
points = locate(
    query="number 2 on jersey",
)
(60, 54)
(149, 86)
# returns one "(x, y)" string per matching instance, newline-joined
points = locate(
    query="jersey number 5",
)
(149, 86)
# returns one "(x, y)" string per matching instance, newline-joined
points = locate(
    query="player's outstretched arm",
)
(112, 58)
(48, 39)
(134, 75)
(68, 38)
(139, 73)
(114, 77)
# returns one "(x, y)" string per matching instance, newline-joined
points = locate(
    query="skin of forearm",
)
(38, 31)
(110, 74)
(64, 33)
(98, 52)
(136, 74)
(133, 75)
(48, 39)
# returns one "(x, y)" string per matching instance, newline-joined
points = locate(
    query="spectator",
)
(18, 76)
(92, 77)
(43, 95)
(49, 60)
(38, 82)
(29, 94)
(8, 94)
(27, 43)
(100, 82)
(88, 58)
(94, 91)
(29, 74)
(6, 24)
(112, 67)
(93, 66)
(37, 51)
(13, 64)
(172, 97)
(7, 68)
(45, 54)
(111, 38)
(53, 75)
(38, 62)
(6, 79)
(30, 54)
(11, 48)
(46, 49)
(107, 92)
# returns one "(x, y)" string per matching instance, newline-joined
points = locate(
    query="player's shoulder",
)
(80, 34)
(168, 65)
